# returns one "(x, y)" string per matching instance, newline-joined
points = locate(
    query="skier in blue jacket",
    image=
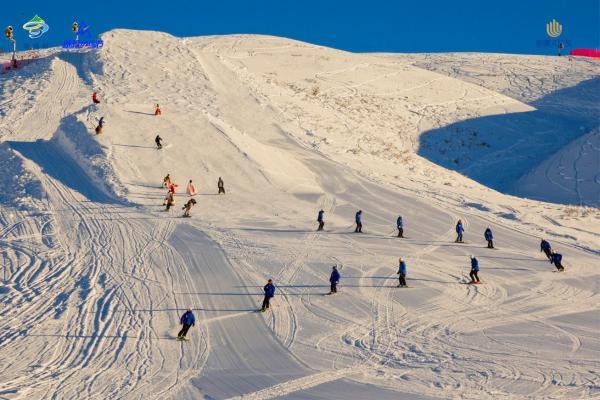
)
(269, 294)
(459, 231)
(546, 248)
(187, 320)
(400, 225)
(334, 279)
(401, 273)
(358, 219)
(489, 237)
(556, 260)
(321, 220)
(474, 270)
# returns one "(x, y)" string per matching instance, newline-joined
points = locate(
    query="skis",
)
(404, 286)
(183, 339)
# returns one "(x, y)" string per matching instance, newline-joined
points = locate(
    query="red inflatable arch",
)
(594, 53)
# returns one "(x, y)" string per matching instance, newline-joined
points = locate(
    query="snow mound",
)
(22, 190)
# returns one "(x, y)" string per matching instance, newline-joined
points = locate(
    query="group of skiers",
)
(187, 320)
(554, 257)
(98, 130)
(488, 235)
(191, 191)
(269, 289)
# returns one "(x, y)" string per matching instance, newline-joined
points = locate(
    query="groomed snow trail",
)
(96, 274)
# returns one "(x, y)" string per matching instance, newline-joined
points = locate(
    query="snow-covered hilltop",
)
(96, 274)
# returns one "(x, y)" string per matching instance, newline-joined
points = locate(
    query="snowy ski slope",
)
(95, 274)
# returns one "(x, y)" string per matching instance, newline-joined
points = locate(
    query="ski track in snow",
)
(93, 285)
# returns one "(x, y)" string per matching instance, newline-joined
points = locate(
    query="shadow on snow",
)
(497, 150)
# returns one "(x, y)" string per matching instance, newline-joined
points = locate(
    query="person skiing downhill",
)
(489, 237)
(556, 260)
(100, 126)
(188, 207)
(157, 110)
(358, 220)
(221, 186)
(400, 225)
(474, 270)
(401, 273)
(169, 200)
(334, 279)
(321, 220)
(158, 141)
(546, 248)
(167, 181)
(269, 294)
(187, 320)
(191, 189)
(459, 231)
(95, 98)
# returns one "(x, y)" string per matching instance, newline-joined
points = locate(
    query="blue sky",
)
(396, 26)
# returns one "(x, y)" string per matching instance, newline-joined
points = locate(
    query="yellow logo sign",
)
(553, 28)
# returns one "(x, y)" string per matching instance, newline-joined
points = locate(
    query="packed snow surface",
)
(95, 274)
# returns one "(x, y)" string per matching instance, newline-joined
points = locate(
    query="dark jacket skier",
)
(187, 320)
(221, 186)
(546, 248)
(401, 273)
(334, 279)
(459, 231)
(400, 225)
(489, 237)
(556, 260)
(321, 220)
(358, 220)
(157, 140)
(269, 294)
(474, 270)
